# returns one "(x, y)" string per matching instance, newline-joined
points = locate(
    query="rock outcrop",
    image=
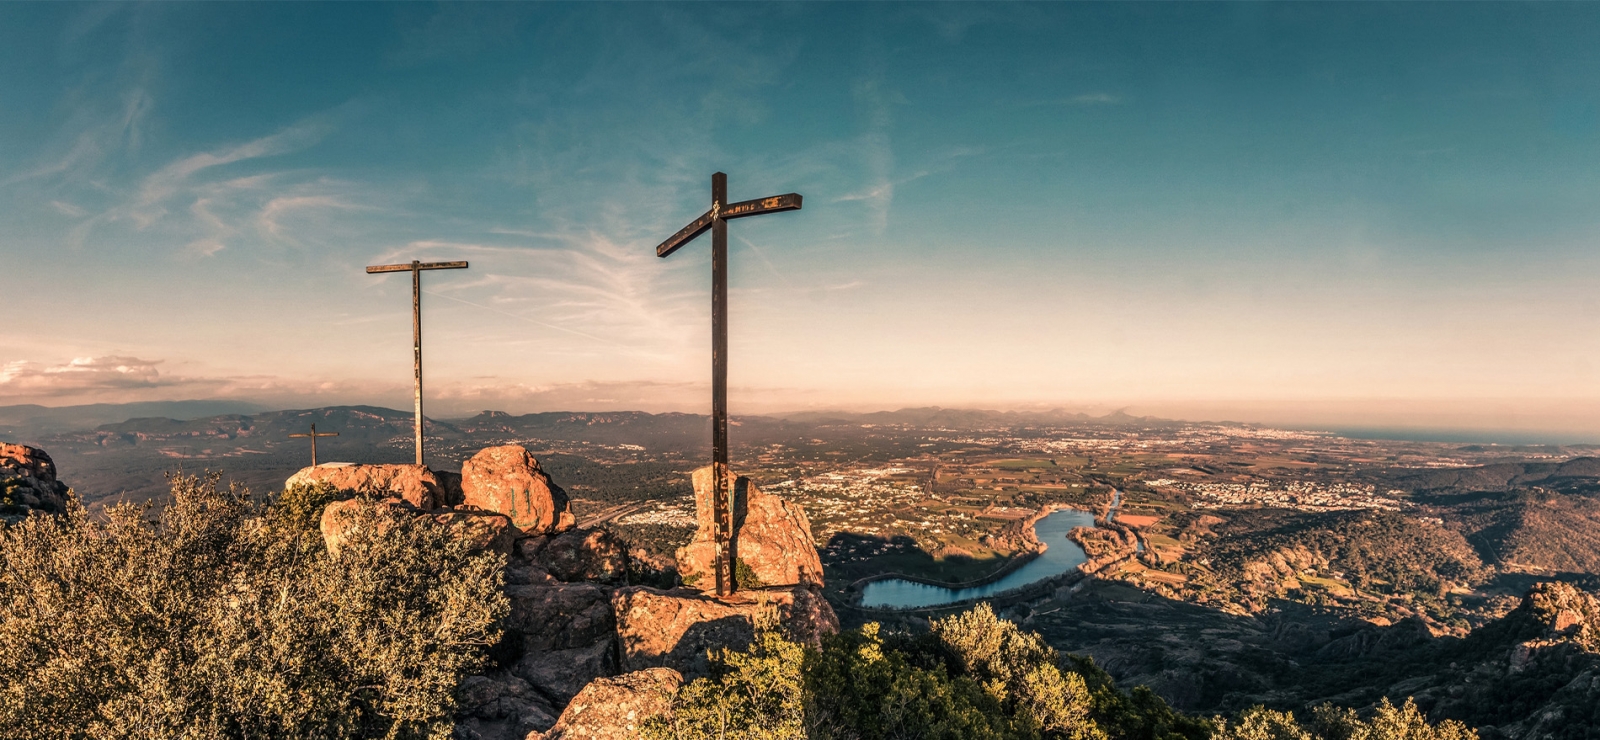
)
(480, 530)
(28, 483)
(575, 621)
(559, 616)
(771, 538)
(341, 519)
(501, 707)
(507, 480)
(616, 708)
(674, 629)
(580, 555)
(413, 484)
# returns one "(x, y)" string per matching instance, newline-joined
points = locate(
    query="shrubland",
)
(223, 617)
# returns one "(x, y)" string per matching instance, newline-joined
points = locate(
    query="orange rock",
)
(340, 519)
(507, 480)
(616, 708)
(771, 537)
(32, 462)
(481, 530)
(675, 628)
(414, 484)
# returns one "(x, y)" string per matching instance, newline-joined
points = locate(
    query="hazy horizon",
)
(1330, 216)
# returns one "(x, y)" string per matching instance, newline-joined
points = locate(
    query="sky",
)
(1379, 215)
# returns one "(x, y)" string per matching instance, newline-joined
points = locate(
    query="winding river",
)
(1061, 555)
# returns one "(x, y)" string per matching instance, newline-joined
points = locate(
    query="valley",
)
(1245, 565)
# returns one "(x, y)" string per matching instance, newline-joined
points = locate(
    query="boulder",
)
(507, 480)
(559, 616)
(500, 706)
(674, 629)
(28, 483)
(561, 674)
(340, 520)
(771, 538)
(481, 530)
(413, 484)
(579, 555)
(616, 708)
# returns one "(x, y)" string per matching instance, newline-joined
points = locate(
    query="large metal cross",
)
(314, 435)
(416, 269)
(716, 220)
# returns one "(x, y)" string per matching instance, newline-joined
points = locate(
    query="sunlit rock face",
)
(28, 483)
(676, 628)
(771, 537)
(507, 480)
(616, 708)
(413, 484)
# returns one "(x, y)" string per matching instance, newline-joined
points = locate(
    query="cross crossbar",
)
(314, 435)
(757, 207)
(409, 266)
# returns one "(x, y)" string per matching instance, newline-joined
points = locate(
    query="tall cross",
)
(716, 220)
(416, 269)
(314, 435)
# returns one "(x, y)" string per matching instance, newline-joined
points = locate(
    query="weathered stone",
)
(31, 461)
(507, 480)
(561, 674)
(559, 616)
(481, 530)
(414, 484)
(582, 555)
(340, 520)
(28, 483)
(616, 708)
(675, 628)
(771, 538)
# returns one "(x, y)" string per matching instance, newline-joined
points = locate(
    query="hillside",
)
(1527, 530)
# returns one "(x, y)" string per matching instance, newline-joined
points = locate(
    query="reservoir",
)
(1060, 556)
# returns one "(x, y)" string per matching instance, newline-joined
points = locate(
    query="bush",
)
(1334, 723)
(974, 676)
(212, 620)
(299, 507)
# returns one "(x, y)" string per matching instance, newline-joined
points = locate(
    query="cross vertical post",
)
(719, 384)
(716, 221)
(314, 435)
(415, 268)
(416, 347)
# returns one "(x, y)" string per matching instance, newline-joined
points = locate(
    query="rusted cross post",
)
(314, 435)
(716, 220)
(416, 269)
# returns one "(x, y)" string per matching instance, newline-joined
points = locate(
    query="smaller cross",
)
(313, 435)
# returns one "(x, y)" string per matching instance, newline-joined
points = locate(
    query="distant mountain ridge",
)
(22, 422)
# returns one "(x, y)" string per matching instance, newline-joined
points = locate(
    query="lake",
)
(1061, 556)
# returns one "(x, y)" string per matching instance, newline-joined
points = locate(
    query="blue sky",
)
(1379, 214)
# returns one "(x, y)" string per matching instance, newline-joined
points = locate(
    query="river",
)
(1060, 556)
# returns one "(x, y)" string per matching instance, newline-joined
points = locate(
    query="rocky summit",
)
(28, 483)
(587, 652)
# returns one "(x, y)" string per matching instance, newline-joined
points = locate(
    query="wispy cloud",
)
(84, 374)
(1095, 98)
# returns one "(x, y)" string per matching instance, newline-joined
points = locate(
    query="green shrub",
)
(1328, 722)
(211, 621)
(299, 507)
(975, 676)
